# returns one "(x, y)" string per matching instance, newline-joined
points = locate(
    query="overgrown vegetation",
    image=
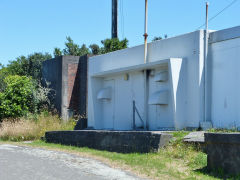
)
(20, 96)
(223, 130)
(32, 126)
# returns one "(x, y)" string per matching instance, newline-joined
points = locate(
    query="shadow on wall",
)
(77, 91)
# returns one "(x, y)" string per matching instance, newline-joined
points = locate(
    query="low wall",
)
(116, 141)
(223, 150)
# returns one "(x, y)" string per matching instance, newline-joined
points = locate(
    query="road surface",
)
(26, 163)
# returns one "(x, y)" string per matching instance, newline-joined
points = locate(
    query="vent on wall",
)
(105, 94)
(161, 77)
(159, 98)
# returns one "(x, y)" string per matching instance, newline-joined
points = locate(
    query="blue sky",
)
(28, 26)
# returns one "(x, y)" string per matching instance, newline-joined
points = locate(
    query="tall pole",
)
(114, 18)
(145, 31)
(205, 63)
(146, 81)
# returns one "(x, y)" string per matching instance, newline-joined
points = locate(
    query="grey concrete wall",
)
(68, 78)
(117, 141)
(51, 73)
(223, 151)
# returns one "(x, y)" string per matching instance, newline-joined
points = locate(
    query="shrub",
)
(41, 97)
(16, 100)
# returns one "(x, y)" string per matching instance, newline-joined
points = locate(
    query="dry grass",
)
(32, 127)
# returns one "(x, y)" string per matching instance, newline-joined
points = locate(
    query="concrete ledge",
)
(225, 34)
(223, 150)
(116, 141)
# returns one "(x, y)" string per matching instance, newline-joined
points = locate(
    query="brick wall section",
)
(77, 86)
(73, 87)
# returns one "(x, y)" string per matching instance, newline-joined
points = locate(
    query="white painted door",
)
(108, 106)
(123, 104)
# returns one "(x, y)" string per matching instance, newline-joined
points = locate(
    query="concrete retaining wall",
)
(223, 150)
(116, 141)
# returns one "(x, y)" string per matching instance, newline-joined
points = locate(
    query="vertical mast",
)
(114, 18)
(146, 82)
(145, 31)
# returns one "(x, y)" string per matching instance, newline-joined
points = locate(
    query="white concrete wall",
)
(224, 78)
(189, 87)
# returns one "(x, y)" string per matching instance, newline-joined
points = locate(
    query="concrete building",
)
(67, 76)
(175, 89)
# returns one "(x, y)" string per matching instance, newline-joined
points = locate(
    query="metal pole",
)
(145, 31)
(114, 18)
(145, 71)
(206, 16)
(205, 63)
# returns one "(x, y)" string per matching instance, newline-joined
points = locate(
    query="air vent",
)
(105, 94)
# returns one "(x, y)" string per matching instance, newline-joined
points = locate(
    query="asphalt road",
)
(26, 163)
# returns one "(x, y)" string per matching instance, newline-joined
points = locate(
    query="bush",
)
(41, 97)
(21, 96)
(16, 100)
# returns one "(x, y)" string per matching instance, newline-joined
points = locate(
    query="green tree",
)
(35, 64)
(74, 49)
(95, 49)
(3, 73)
(110, 45)
(28, 66)
(83, 50)
(57, 52)
(19, 66)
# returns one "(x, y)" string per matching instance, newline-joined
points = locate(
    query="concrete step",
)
(195, 137)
